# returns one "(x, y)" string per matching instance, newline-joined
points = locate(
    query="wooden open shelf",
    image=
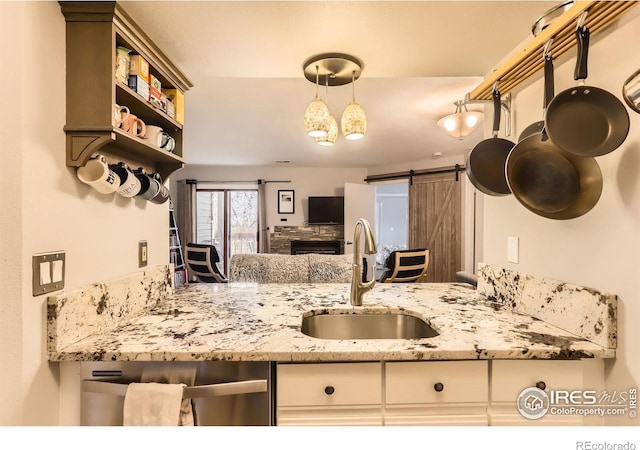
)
(529, 60)
(93, 30)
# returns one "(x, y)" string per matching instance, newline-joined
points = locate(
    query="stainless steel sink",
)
(352, 324)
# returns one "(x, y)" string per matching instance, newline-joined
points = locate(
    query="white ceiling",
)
(245, 60)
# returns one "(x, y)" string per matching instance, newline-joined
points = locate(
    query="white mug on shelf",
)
(97, 174)
(120, 114)
(160, 138)
(154, 135)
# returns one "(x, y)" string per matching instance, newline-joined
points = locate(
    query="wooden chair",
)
(201, 260)
(405, 266)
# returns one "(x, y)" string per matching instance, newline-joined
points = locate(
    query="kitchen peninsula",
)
(512, 332)
(503, 319)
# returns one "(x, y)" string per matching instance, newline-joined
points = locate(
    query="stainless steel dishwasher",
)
(225, 393)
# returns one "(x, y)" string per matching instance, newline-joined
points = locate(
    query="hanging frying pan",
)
(486, 161)
(586, 120)
(549, 89)
(547, 180)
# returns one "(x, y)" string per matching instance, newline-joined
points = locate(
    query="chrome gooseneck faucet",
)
(358, 287)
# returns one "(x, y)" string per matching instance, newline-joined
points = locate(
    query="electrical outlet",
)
(48, 272)
(142, 254)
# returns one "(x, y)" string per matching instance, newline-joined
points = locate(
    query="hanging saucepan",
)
(586, 120)
(485, 164)
(547, 180)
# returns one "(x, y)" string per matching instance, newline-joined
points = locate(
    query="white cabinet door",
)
(510, 377)
(329, 394)
(436, 393)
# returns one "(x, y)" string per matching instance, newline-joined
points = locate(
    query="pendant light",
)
(333, 69)
(316, 117)
(332, 135)
(354, 121)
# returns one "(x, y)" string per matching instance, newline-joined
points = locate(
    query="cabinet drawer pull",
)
(438, 387)
(541, 385)
(329, 390)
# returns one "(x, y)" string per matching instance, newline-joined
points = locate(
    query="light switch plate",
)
(142, 254)
(513, 249)
(48, 272)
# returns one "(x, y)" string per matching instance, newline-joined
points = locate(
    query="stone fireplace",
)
(324, 238)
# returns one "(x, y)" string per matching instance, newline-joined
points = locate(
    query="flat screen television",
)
(326, 211)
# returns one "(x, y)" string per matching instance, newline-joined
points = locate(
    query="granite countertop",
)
(243, 322)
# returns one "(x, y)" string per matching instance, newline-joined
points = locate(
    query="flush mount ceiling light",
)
(336, 69)
(461, 123)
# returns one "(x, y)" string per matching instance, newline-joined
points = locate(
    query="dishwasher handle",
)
(207, 390)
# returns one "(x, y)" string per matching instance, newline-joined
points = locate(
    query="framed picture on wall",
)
(285, 202)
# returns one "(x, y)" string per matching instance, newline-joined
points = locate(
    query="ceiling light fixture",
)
(336, 69)
(332, 135)
(354, 121)
(316, 117)
(461, 123)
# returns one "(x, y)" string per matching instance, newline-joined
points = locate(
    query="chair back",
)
(406, 266)
(201, 260)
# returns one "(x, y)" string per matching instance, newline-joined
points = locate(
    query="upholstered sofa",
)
(306, 268)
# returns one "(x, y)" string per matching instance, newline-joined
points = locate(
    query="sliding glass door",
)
(227, 219)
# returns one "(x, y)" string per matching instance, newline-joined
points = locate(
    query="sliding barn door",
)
(435, 223)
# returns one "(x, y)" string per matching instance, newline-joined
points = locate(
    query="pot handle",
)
(580, 73)
(496, 111)
(549, 86)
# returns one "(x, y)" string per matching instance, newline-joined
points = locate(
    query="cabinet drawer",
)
(437, 382)
(329, 384)
(510, 377)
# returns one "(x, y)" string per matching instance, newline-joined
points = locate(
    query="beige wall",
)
(45, 208)
(599, 249)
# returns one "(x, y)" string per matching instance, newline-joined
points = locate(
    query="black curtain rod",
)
(191, 181)
(412, 173)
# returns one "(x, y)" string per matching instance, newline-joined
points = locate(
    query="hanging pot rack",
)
(529, 60)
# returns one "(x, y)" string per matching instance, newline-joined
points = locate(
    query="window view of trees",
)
(227, 219)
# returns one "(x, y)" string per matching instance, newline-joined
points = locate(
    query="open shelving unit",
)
(93, 31)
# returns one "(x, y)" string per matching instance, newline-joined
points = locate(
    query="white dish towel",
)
(152, 404)
(176, 372)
